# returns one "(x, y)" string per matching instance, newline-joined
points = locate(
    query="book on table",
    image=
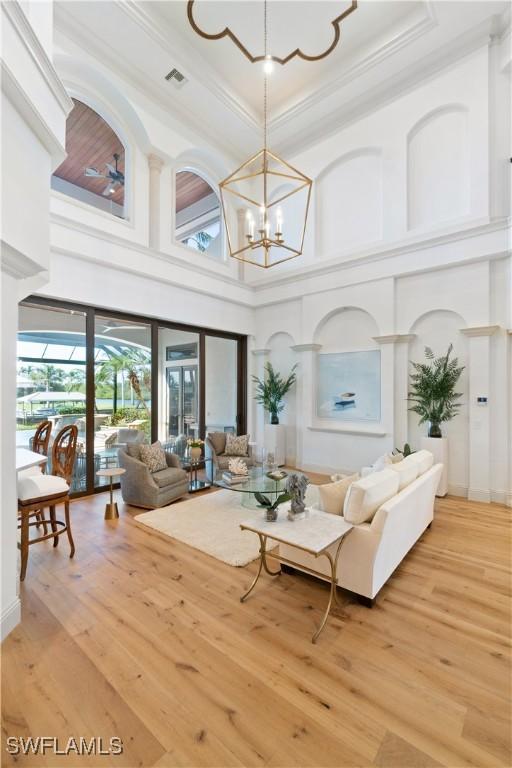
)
(229, 477)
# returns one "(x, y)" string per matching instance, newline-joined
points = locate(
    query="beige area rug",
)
(210, 523)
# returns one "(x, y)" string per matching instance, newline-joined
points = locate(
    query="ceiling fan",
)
(114, 176)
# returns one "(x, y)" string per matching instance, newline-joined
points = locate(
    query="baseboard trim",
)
(458, 490)
(11, 617)
(478, 494)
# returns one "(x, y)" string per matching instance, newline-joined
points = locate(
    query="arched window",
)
(198, 221)
(94, 169)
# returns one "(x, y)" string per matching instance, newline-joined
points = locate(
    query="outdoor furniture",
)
(141, 488)
(215, 447)
(111, 511)
(38, 491)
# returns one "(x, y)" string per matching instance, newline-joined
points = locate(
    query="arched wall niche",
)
(349, 202)
(346, 328)
(438, 181)
(437, 329)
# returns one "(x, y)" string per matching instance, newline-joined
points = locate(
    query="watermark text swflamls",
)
(40, 745)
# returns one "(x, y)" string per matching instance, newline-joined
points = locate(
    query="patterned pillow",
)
(153, 456)
(236, 446)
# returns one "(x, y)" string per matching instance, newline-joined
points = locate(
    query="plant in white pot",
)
(271, 390)
(432, 390)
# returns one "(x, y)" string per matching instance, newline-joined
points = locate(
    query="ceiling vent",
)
(176, 77)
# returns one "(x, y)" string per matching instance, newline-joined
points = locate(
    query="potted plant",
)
(433, 392)
(195, 448)
(271, 390)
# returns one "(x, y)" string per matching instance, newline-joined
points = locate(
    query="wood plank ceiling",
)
(90, 142)
(190, 188)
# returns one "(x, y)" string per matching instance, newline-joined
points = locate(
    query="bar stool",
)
(37, 492)
(40, 443)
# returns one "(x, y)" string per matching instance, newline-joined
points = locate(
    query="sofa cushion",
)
(40, 486)
(365, 496)
(153, 456)
(133, 450)
(169, 476)
(332, 495)
(424, 460)
(218, 440)
(236, 445)
(407, 471)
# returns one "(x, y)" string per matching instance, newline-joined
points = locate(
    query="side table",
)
(111, 511)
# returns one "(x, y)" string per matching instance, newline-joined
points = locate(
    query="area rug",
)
(210, 523)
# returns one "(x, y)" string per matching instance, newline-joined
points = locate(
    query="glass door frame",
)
(91, 312)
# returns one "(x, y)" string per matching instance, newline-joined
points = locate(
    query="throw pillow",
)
(153, 457)
(368, 494)
(381, 463)
(236, 446)
(332, 495)
(218, 440)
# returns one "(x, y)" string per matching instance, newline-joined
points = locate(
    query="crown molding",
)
(406, 246)
(16, 264)
(37, 53)
(37, 123)
(181, 117)
(216, 278)
(395, 338)
(350, 74)
(480, 330)
(379, 95)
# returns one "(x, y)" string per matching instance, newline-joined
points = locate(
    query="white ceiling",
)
(384, 44)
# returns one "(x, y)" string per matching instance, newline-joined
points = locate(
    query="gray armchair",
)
(215, 449)
(141, 488)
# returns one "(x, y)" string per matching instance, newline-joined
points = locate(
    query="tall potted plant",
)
(270, 390)
(432, 390)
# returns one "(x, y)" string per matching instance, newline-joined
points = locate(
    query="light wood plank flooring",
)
(147, 640)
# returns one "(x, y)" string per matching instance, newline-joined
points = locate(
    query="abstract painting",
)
(348, 386)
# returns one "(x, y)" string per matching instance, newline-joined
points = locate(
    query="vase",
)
(195, 454)
(434, 429)
(274, 418)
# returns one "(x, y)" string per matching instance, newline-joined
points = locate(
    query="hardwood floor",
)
(147, 640)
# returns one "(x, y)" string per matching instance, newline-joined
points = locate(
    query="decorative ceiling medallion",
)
(226, 32)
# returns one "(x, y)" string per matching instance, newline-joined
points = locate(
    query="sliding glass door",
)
(122, 388)
(121, 378)
(51, 378)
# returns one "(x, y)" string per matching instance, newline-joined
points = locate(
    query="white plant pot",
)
(275, 442)
(438, 446)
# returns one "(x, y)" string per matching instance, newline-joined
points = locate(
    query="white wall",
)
(34, 108)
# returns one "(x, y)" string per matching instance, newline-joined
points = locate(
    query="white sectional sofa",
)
(373, 549)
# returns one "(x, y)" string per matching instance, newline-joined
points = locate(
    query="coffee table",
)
(256, 482)
(315, 534)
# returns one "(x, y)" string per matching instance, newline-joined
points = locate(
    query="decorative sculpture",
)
(238, 467)
(296, 488)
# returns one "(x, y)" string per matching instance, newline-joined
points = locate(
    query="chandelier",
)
(272, 200)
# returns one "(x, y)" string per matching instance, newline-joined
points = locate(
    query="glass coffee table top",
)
(256, 482)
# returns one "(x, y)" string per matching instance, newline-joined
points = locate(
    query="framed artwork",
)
(348, 386)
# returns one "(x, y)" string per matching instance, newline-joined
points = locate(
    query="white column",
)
(155, 164)
(259, 358)
(479, 365)
(400, 386)
(11, 609)
(306, 354)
